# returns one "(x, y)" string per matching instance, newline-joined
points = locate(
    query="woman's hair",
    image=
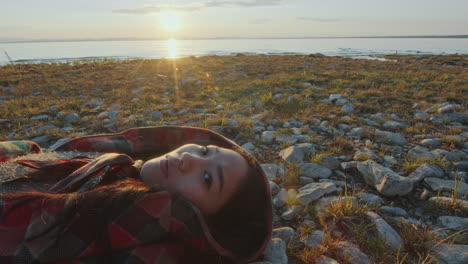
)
(243, 215)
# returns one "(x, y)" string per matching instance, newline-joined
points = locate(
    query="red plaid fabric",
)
(138, 232)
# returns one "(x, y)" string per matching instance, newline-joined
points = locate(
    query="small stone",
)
(390, 138)
(134, 100)
(42, 140)
(276, 252)
(274, 187)
(393, 211)
(347, 109)
(393, 125)
(250, 147)
(390, 160)
(385, 231)
(330, 162)
(386, 181)
(39, 117)
(446, 109)
(431, 143)
(268, 136)
(348, 165)
(219, 107)
(314, 170)
(284, 233)
(156, 115)
(280, 199)
(314, 239)
(437, 184)
(449, 253)
(424, 171)
(232, 123)
(270, 170)
(419, 152)
(314, 191)
(370, 199)
(291, 213)
(351, 253)
(292, 154)
(72, 118)
(453, 222)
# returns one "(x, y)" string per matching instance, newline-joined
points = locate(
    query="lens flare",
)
(172, 48)
(170, 21)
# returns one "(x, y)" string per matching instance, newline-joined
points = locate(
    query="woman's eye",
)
(205, 150)
(207, 178)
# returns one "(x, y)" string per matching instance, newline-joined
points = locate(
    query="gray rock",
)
(280, 199)
(291, 213)
(94, 103)
(393, 125)
(268, 136)
(424, 171)
(351, 253)
(271, 171)
(390, 138)
(419, 152)
(314, 239)
(276, 252)
(394, 211)
(448, 155)
(135, 100)
(114, 107)
(448, 202)
(386, 181)
(421, 116)
(39, 117)
(250, 147)
(284, 233)
(219, 107)
(232, 123)
(314, 191)
(390, 160)
(449, 253)
(330, 162)
(370, 199)
(437, 184)
(347, 109)
(453, 222)
(292, 154)
(385, 231)
(307, 148)
(314, 170)
(378, 116)
(365, 154)
(325, 260)
(72, 118)
(446, 109)
(274, 188)
(431, 143)
(42, 140)
(356, 132)
(348, 165)
(461, 165)
(156, 115)
(286, 139)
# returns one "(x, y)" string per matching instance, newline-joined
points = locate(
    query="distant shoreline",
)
(227, 38)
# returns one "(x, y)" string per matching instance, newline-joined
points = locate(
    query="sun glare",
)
(170, 21)
(172, 48)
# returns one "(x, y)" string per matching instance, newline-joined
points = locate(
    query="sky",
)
(198, 19)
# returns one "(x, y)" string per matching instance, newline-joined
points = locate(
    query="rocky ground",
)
(367, 160)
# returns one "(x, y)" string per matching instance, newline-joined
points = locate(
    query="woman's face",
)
(207, 176)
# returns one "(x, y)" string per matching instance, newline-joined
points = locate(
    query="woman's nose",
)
(190, 161)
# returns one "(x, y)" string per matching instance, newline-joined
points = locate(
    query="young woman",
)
(198, 198)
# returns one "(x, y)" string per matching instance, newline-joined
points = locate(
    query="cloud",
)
(260, 21)
(148, 9)
(319, 19)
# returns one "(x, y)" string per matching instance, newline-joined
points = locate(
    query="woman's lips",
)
(164, 165)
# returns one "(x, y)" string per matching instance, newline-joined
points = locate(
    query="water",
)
(37, 52)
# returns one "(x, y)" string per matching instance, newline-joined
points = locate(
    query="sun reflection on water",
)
(172, 48)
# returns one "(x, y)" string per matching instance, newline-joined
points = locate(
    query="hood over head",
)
(143, 143)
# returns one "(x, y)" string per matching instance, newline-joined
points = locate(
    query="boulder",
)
(385, 231)
(386, 181)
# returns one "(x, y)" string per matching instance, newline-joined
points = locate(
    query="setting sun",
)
(170, 21)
